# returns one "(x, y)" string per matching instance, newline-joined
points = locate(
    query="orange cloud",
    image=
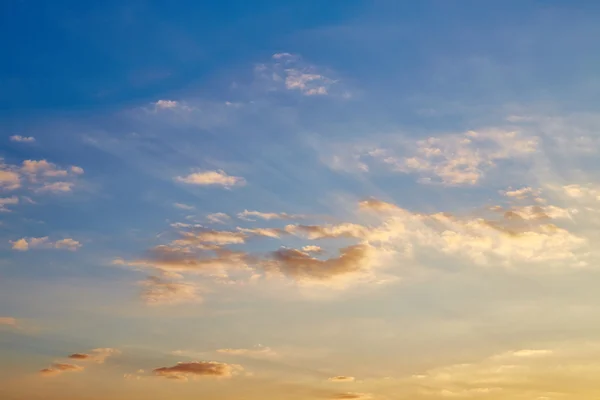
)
(59, 368)
(184, 370)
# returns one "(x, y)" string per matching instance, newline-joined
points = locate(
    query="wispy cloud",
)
(22, 139)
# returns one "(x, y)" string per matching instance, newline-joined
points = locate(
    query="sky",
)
(299, 200)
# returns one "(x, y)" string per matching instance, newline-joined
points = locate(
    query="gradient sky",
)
(297, 200)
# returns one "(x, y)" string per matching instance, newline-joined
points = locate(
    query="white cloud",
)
(25, 244)
(166, 104)
(247, 215)
(182, 206)
(458, 159)
(218, 218)
(22, 139)
(4, 201)
(217, 178)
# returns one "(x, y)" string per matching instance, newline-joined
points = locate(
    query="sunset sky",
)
(298, 200)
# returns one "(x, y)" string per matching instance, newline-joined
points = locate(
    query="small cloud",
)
(218, 218)
(266, 232)
(158, 291)
(57, 187)
(256, 352)
(77, 170)
(67, 244)
(25, 244)
(4, 201)
(248, 215)
(8, 321)
(352, 396)
(312, 249)
(166, 104)
(59, 368)
(98, 355)
(22, 139)
(182, 206)
(342, 378)
(184, 370)
(206, 178)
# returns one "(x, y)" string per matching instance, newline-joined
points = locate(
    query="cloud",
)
(166, 104)
(201, 237)
(346, 230)
(22, 139)
(522, 193)
(206, 178)
(341, 378)
(8, 321)
(266, 232)
(25, 244)
(57, 187)
(583, 192)
(40, 176)
(67, 244)
(352, 396)
(290, 72)
(247, 215)
(158, 291)
(218, 218)
(459, 159)
(185, 370)
(308, 84)
(182, 206)
(523, 235)
(176, 259)
(4, 201)
(256, 352)
(301, 267)
(10, 179)
(98, 355)
(312, 249)
(59, 368)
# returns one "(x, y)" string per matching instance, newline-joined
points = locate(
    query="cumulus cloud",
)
(22, 139)
(522, 193)
(341, 378)
(523, 235)
(158, 291)
(59, 368)
(10, 179)
(215, 178)
(40, 176)
(198, 369)
(25, 244)
(248, 215)
(4, 201)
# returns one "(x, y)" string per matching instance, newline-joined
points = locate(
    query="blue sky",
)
(292, 200)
